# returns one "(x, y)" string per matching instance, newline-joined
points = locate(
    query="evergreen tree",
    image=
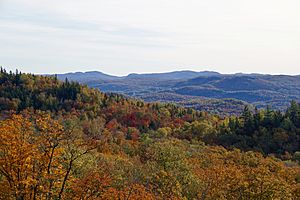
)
(248, 121)
(268, 118)
(294, 113)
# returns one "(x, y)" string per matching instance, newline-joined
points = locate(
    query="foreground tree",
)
(37, 156)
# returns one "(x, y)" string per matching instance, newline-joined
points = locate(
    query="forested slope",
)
(62, 140)
(259, 90)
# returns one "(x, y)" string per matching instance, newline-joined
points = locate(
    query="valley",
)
(210, 91)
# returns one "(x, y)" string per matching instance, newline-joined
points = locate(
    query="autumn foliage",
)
(61, 140)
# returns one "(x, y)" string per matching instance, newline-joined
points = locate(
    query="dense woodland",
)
(63, 140)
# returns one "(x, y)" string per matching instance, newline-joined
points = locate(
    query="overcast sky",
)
(123, 36)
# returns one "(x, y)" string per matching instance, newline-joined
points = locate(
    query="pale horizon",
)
(144, 72)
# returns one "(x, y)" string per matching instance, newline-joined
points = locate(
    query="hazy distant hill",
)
(87, 76)
(184, 87)
(173, 75)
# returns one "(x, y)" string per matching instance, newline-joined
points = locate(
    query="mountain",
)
(173, 75)
(86, 76)
(182, 87)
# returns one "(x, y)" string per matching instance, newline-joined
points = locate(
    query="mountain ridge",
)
(201, 73)
(260, 90)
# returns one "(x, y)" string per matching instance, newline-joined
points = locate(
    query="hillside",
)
(63, 140)
(259, 90)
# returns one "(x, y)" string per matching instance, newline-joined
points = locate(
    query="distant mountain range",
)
(206, 90)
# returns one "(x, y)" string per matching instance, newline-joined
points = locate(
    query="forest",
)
(63, 140)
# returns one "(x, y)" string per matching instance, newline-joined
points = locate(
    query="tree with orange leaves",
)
(37, 156)
(29, 159)
(18, 155)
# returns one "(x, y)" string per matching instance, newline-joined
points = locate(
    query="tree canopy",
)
(63, 140)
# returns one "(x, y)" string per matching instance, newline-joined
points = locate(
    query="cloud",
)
(229, 36)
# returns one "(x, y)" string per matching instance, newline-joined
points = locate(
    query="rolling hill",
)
(204, 88)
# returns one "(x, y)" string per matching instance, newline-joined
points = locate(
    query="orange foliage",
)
(29, 156)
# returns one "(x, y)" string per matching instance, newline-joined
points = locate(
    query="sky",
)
(124, 36)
